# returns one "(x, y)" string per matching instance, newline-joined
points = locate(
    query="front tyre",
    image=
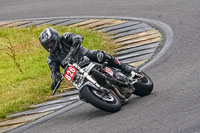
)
(109, 103)
(144, 86)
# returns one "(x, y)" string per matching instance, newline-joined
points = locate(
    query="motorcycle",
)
(106, 88)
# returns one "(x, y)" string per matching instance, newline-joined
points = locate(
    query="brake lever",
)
(57, 85)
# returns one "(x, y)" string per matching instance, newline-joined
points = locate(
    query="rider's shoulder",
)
(70, 37)
(67, 34)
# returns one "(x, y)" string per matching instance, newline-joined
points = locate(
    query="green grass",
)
(18, 89)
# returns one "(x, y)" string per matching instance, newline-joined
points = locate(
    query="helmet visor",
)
(49, 46)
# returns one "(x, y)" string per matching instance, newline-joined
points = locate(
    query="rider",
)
(59, 46)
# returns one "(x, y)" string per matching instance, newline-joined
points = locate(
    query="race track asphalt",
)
(173, 106)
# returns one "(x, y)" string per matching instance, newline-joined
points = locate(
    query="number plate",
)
(70, 73)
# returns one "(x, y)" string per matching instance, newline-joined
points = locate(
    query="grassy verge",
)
(24, 73)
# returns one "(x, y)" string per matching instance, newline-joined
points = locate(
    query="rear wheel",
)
(108, 102)
(144, 86)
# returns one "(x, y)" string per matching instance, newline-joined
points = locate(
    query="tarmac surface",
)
(172, 107)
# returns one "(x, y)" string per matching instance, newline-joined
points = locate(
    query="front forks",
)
(93, 83)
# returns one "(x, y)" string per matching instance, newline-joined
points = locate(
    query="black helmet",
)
(49, 38)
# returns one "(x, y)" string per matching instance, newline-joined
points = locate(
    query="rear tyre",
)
(144, 86)
(109, 103)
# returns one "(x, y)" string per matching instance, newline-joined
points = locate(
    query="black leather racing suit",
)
(66, 41)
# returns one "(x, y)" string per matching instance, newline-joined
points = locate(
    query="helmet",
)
(49, 39)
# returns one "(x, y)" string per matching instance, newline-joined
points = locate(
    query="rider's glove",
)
(56, 80)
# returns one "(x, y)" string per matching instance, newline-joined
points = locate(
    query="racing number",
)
(70, 73)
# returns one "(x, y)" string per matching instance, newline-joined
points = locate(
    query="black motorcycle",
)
(106, 88)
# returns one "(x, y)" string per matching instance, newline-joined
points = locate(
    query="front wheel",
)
(144, 86)
(108, 102)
